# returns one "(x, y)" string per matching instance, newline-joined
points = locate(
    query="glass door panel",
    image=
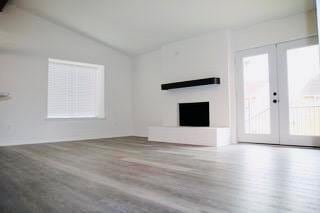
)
(304, 90)
(299, 74)
(256, 94)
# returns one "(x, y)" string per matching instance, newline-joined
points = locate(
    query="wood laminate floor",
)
(132, 175)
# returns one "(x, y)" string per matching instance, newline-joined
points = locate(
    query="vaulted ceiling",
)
(137, 26)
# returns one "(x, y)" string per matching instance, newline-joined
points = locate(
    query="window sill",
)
(75, 119)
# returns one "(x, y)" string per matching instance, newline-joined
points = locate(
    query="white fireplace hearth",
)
(201, 136)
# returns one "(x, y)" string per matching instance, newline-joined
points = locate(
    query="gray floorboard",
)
(132, 175)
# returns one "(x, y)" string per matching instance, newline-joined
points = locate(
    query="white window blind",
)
(75, 90)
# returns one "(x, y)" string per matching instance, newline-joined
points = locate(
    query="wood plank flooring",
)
(133, 175)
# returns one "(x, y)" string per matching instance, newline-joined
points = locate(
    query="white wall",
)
(147, 92)
(195, 58)
(275, 31)
(26, 42)
(318, 14)
(204, 56)
(200, 57)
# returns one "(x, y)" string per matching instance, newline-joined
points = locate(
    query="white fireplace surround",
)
(171, 100)
(200, 136)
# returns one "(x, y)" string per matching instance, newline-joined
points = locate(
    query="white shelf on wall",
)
(4, 94)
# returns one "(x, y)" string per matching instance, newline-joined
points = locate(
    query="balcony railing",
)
(303, 121)
(258, 123)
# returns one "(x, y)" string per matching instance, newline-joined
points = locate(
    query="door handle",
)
(275, 101)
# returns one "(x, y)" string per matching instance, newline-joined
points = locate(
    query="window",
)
(75, 90)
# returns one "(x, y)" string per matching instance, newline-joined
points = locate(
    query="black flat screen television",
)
(194, 114)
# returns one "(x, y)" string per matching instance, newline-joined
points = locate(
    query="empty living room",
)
(156, 106)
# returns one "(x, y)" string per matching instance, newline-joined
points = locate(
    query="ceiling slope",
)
(138, 26)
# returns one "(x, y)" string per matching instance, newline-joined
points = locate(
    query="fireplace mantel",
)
(192, 83)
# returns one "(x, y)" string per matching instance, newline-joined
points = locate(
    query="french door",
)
(258, 115)
(278, 94)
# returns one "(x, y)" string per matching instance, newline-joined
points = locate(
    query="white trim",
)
(75, 63)
(22, 141)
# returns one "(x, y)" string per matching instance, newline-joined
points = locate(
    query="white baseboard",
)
(17, 142)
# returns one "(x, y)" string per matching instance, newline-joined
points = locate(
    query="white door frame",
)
(285, 137)
(273, 137)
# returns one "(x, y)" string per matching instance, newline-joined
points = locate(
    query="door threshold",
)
(281, 145)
